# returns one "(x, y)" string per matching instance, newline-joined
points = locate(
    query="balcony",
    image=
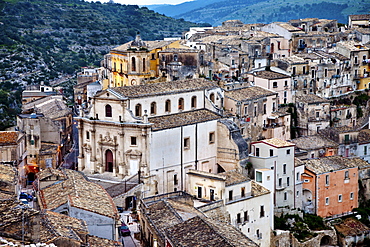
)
(238, 198)
(281, 186)
(272, 125)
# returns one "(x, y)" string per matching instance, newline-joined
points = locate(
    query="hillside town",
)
(236, 135)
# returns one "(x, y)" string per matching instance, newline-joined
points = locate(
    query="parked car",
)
(124, 230)
(26, 196)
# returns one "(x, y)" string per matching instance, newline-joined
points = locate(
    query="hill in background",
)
(263, 11)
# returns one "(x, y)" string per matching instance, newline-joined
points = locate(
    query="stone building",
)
(256, 112)
(313, 113)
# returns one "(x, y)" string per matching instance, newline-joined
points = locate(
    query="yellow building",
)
(134, 63)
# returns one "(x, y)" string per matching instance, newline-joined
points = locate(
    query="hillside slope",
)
(264, 11)
(51, 40)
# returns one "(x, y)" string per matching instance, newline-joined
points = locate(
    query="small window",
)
(288, 151)
(187, 143)
(153, 108)
(133, 141)
(262, 211)
(238, 218)
(285, 196)
(257, 152)
(167, 107)
(242, 192)
(230, 195)
(138, 110)
(211, 137)
(212, 97)
(298, 176)
(246, 217)
(327, 180)
(271, 152)
(346, 175)
(194, 102)
(133, 64)
(339, 198)
(175, 180)
(326, 200)
(287, 181)
(284, 168)
(108, 111)
(274, 84)
(280, 182)
(259, 177)
(181, 104)
(264, 109)
(351, 196)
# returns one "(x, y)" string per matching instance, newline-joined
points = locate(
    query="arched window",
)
(167, 106)
(194, 102)
(108, 111)
(138, 110)
(144, 68)
(133, 64)
(181, 104)
(153, 108)
(212, 97)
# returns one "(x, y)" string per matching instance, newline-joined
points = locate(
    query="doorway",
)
(108, 161)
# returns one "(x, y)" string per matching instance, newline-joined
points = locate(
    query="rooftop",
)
(8, 137)
(162, 88)
(94, 241)
(234, 177)
(313, 142)
(8, 178)
(333, 163)
(48, 172)
(150, 44)
(277, 142)
(258, 190)
(200, 231)
(352, 227)
(311, 99)
(270, 75)
(248, 93)
(364, 136)
(290, 28)
(360, 17)
(181, 119)
(80, 193)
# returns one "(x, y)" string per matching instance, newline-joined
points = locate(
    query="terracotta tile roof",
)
(163, 88)
(298, 162)
(248, 93)
(199, 231)
(364, 136)
(55, 225)
(311, 99)
(290, 28)
(181, 119)
(180, 50)
(352, 227)
(11, 212)
(79, 193)
(94, 241)
(234, 177)
(48, 148)
(270, 75)
(332, 163)
(8, 137)
(313, 142)
(278, 142)
(48, 172)
(8, 174)
(258, 190)
(150, 44)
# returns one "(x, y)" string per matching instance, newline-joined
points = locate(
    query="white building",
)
(158, 131)
(278, 156)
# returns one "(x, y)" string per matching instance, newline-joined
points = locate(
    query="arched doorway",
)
(108, 161)
(326, 240)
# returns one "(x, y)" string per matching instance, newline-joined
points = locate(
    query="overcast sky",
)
(147, 2)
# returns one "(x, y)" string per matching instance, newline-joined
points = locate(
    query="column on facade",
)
(81, 158)
(144, 169)
(122, 171)
(93, 159)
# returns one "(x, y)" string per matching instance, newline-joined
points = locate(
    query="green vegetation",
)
(47, 40)
(264, 11)
(301, 228)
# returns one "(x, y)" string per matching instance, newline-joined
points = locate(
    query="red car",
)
(124, 230)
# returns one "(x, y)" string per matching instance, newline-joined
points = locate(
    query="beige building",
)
(273, 79)
(313, 113)
(256, 112)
